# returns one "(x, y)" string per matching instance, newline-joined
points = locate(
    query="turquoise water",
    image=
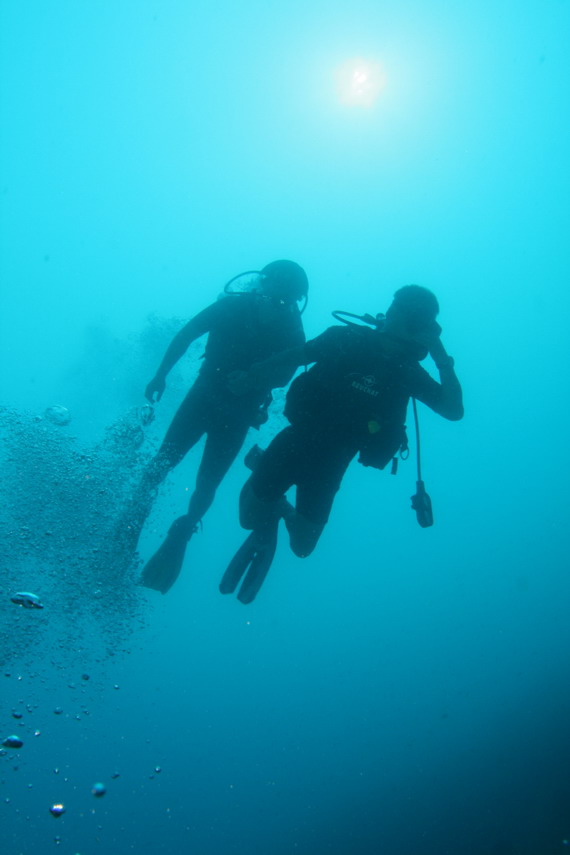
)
(401, 691)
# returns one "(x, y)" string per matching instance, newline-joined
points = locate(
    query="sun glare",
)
(359, 82)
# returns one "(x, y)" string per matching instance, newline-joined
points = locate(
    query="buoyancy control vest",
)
(355, 392)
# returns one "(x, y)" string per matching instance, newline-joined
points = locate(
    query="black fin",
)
(162, 570)
(253, 558)
(238, 565)
(257, 572)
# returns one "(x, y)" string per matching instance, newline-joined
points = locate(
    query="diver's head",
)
(412, 317)
(284, 280)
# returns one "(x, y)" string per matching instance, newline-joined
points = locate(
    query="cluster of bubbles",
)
(61, 499)
(60, 557)
(67, 582)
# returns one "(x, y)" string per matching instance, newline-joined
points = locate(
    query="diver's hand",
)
(437, 350)
(430, 338)
(440, 355)
(156, 387)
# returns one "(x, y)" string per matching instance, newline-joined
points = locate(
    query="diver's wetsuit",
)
(237, 338)
(353, 400)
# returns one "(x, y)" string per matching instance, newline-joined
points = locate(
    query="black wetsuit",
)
(353, 400)
(237, 338)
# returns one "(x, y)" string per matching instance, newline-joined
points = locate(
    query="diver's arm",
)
(198, 326)
(445, 397)
(279, 368)
(451, 394)
(269, 374)
(280, 371)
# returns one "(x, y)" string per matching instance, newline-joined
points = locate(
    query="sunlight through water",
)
(359, 82)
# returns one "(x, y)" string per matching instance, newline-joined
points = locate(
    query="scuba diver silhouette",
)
(353, 400)
(243, 327)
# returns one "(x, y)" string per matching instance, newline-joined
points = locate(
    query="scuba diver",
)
(353, 400)
(244, 327)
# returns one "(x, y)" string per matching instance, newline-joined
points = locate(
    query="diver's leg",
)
(253, 559)
(262, 503)
(317, 485)
(185, 430)
(262, 499)
(222, 447)
(258, 515)
(304, 534)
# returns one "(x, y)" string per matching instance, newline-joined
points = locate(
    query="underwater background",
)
(401, 691)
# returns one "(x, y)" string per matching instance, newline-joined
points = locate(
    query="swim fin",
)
(253, 558)
(162, 570)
